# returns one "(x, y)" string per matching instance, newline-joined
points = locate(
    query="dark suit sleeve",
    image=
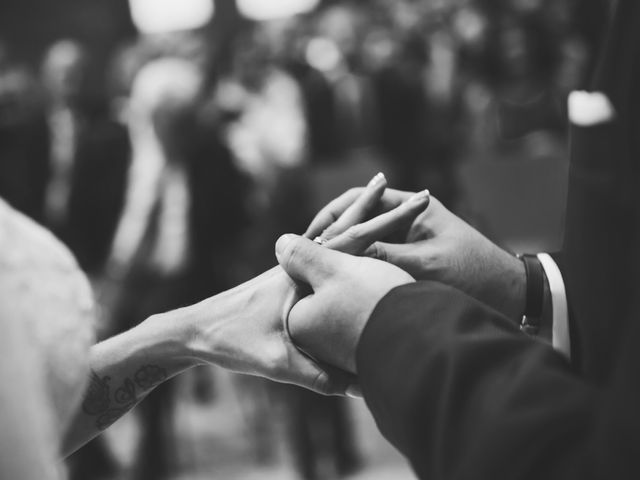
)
(463, 394)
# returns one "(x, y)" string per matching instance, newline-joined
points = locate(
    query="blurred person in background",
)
(336, 53)
(89, 156)
(268, 138)
(24, 138)
(183, 208)
(414, 67)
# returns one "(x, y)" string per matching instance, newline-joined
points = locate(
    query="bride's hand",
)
(244, 330)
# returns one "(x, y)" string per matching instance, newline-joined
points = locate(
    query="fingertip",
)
(320, 223)
(283, 242)
(377, 251)
(420, 199)
(378, 180)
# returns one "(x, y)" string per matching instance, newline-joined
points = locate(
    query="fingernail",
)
(354, 392)
(282, 243)
(379, 178)
(420, 197)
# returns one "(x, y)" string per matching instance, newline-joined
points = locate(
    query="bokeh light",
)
(162, 16)
(274, 9)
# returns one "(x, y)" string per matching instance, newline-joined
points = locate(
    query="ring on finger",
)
(319, 240)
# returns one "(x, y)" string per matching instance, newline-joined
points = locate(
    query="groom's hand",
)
(328, 323)
(439, 246)
(243, 329)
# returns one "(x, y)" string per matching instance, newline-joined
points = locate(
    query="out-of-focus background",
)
(169, 143)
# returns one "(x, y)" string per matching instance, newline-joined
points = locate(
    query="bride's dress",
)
(42, 288)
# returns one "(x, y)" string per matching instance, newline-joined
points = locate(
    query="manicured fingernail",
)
(420, 198)
(379, 178)
(282, 243)
(354, 391)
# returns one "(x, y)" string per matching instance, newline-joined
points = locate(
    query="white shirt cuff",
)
(560, 336)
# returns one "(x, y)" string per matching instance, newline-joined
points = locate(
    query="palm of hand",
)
(329, 323)
(253, 338)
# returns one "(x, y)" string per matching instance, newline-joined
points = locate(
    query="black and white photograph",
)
(319, 239)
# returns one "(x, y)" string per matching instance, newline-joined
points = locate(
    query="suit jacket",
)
(463, 394)
(97, 190)
(600, 252)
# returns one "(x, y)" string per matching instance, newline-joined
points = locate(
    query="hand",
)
(328, 323)
(243, 329)
(440, 246)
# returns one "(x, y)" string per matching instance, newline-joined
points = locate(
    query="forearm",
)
(476, 398)
(241, 330)
(125, 368)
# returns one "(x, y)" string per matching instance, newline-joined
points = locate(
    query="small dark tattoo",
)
(107, 408)
(96, 400)
(126, 393)
(150, 376)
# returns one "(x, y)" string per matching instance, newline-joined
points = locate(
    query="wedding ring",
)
(319, 240)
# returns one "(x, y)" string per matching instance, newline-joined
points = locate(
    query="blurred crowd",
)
(171, 174)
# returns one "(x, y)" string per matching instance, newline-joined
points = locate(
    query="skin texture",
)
(242, 330)
(50, 361)
(440, 246)
(345, 289)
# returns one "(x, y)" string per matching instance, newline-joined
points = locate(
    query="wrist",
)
(203, 337)
(168, 338)
(216, 333)
(515, 287)
(235, 329)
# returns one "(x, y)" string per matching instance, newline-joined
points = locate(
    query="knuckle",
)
(378, 252)
(321, 383)
(421, 230)
(292, 252)
(320, 222)
(328, 217)
(429, 261)
(273, 361)
(355, 232)
(330, 232)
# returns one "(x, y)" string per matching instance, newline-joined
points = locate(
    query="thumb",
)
(400, 255)
(323, 378)
(306, 261)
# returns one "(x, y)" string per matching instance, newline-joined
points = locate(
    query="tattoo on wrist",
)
(99, 402)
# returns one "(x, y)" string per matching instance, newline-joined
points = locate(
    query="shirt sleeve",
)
(560, 312)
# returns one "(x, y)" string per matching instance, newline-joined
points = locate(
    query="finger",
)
(332, 212)
(329, 214)
(313, 336)
(358, 238)
(359, 209)
(400, 255)
(319, 377)
(306, 261)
